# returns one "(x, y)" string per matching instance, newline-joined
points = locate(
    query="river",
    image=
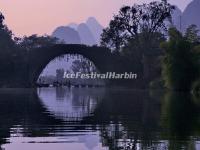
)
(98, 119)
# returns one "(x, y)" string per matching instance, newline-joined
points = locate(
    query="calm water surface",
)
(98, 119)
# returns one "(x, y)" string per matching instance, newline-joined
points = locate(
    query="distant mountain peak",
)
(95, 27)
(92, 19)
(73, 25)
(88, 33)
(191, 14)
(67, 34)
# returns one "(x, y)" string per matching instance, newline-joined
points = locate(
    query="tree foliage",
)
(131, 21)
(35, 41)
(14, 54)
(83, 65)
(6, 42)
(191, 34)
(180, 66)
(8, 51)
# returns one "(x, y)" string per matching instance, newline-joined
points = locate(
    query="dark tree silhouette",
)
(191, 34)
(14, 56)
(35, 41)
(8, 52)
(5, 35)
(1, 20)
(131, 21)
(180, 66)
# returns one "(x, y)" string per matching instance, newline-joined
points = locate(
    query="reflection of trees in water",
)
(75, 105)
(21, 107)
(60, 93)
(131, 120)
(139, 124)
(23, 113)
(180, 116)
(128, 118)
(125, 119)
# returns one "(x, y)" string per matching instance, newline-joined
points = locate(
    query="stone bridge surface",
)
(102, 58)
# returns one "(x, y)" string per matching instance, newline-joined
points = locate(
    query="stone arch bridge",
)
(102, 58)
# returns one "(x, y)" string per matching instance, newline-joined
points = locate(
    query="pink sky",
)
(26, 17)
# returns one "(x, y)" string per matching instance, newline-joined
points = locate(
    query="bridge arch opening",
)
(39, 58)
(54, 73)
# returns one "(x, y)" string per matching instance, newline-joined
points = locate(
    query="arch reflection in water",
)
(28, 122)
(70, 104)
(109, 120)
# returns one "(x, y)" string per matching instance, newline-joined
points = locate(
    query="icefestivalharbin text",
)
(95, 75)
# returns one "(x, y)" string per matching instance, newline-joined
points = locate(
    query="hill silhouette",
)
(191, 14)
(67, 34)
(95, 27)
(181, 20)
(176, 17)
(73, 25)
(88, 33)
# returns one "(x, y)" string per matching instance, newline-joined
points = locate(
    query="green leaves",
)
(179, 69)
(191, 34)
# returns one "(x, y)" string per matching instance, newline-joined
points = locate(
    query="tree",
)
(137, 54)
(135, 51)
(60, 75)
(179, 68)
(131, 21)
(8, 52)
(6, 42)
(191, 34)
(35, 41)
(112, 37)
(83, 65)
(1, 20)
(14, 54)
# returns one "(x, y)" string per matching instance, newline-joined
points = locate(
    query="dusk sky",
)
(26, 17)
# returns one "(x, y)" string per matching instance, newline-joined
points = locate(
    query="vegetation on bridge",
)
(138, 39)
